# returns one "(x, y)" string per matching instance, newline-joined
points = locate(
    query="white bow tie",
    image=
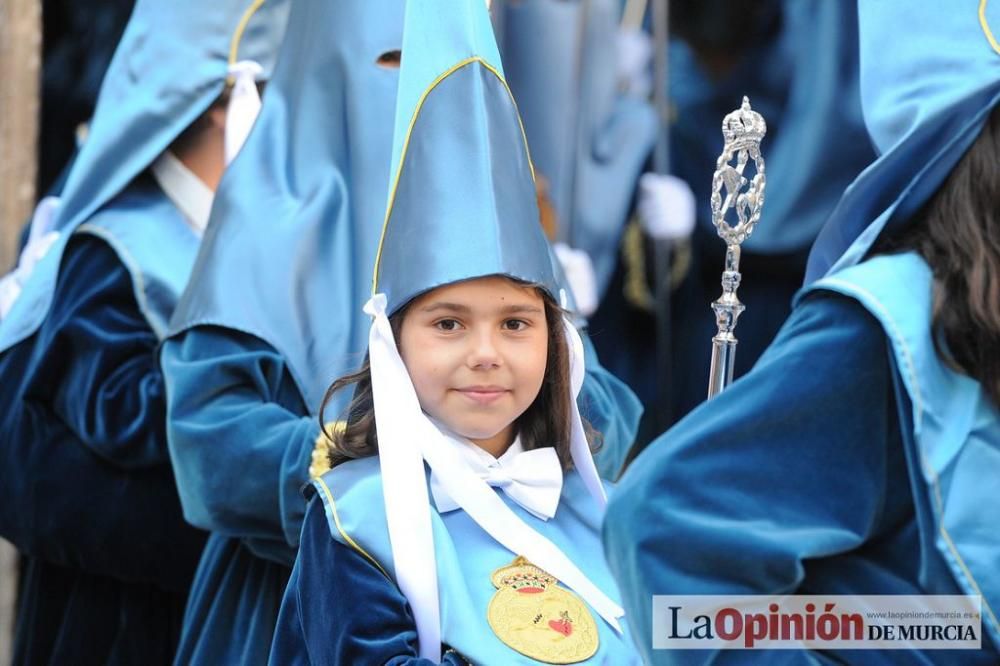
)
(533, 479)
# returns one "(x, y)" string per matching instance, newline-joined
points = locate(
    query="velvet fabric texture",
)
(356, 616)
(796, 479)
(241, 440)
(86, 491)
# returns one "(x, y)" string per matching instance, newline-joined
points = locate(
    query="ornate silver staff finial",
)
(743, 130)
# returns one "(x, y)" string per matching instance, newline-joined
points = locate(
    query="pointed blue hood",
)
(462, 201)
(289, 249)
(930, 76)
(171, 64)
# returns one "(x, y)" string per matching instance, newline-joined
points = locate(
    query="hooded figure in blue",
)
(797, 61)
(265, 314)
(87, 493)
(862, 454)
(588, 138)
(464, 447)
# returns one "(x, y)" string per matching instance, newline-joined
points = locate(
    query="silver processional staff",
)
(742, 130)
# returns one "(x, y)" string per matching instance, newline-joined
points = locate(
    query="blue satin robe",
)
(86, 490)
(793, 480)
(242, 440)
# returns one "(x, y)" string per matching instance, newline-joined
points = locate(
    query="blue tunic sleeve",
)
(85, 480)
(339, 609)
(97, 361)
(789, 464)
(611, 407)
(240, 437)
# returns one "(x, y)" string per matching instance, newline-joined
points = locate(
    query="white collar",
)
(533, 479)
(186, 191)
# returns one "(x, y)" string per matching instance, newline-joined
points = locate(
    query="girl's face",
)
(476, 353)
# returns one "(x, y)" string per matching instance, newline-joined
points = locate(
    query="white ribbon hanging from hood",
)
(407, 437)
(244, 105)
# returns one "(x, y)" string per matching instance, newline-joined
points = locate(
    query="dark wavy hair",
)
(546, 422)
(958, 233)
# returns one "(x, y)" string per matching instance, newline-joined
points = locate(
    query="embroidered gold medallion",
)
(539, 619)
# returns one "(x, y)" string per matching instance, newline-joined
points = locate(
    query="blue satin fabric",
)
(170, 65)
(587, 139)
(466, 557)
(612, 409)
(154, 242)
(288, 253)
(86, 491)
(925, 101)
(794, 480)
(241, 440)
(462, 201)
(464, 204)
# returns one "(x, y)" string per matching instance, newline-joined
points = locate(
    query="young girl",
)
(861, 456)
(466, 523)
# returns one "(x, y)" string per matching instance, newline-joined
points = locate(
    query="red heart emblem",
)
(564, 627)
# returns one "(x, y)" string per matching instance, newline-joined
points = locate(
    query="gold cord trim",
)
(351, 542)
(406, 144)
(986, 26)
(234, 45)
(320, 462)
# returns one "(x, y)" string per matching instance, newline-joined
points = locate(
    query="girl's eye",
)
(446, 325)
(515, 325)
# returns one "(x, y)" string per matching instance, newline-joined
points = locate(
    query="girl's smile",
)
(483, 395)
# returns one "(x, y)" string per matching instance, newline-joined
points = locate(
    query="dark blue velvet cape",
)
(320, 622)
(242, 441)
(86, 490)
(793, 480)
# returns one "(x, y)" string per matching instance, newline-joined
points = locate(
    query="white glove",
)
(40, 239)
(666, 207)
(579, 270)
(635, 53)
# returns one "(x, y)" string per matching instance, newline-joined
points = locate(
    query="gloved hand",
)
(579, 270)
(666, 207)
(635, 53)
